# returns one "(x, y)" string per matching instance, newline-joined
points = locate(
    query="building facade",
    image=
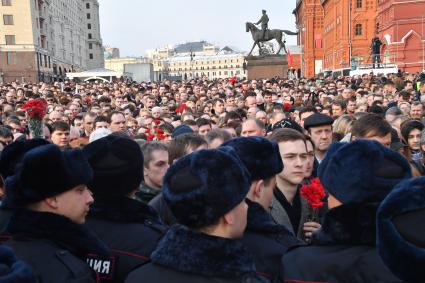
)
(401, 26)
(309, 18)
(111, 53)
(118, 64)
(349, 27)
(42, 40)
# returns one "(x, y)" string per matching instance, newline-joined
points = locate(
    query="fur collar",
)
(60, 230)
(351, 224)
(192, 252)
(122, 209)
(259, 220)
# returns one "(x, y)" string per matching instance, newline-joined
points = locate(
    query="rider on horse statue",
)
(264, 23)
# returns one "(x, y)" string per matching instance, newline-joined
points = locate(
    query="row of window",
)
(6, 2)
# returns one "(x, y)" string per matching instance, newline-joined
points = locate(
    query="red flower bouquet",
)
(154, 133)
(36, 110)
(314, 193)
(182, 107)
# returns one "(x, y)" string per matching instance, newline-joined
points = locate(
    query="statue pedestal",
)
(269, 66)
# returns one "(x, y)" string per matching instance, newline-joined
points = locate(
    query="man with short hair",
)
(338, 108)
(155, 166)
(117, 121)
(253, 127)
(60, 134)
(88, 123)
(49, 189)
(206, 191)
(204, 126)
(372, 127)
(416, 110)
(306, 112)
(55, 116)
(288, 207)
(101, 122)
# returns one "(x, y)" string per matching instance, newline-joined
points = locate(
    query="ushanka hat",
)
(204, 185)
(46, 171)
(117, 164)
(363, 171)
(260, 156)
(401, 230)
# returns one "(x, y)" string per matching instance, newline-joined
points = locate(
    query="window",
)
(90, 45)
(88, 16)
(88, 5)
(89, 26)
(10, 39)
(359, 4)
(6, 2)
(358, 30)
(8, 19)
(11, 58)
(90, 36)
(91, 55)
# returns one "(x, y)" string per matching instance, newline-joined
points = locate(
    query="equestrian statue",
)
(264, 34)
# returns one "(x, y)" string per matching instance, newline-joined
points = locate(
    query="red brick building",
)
(309, 21)
(349, 26)
(401, 25)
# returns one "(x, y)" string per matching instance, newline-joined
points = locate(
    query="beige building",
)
(196, 59)
(118, 64)
(42, 40)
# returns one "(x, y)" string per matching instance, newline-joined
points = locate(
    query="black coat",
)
(267, 241)
(54, 246)
(187, 256)
(343, 250)
(161, 207)
(130, 228)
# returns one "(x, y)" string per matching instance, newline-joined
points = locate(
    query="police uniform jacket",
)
(267, 241)
(187, 256)
(343, 250)
(54, 246)
(130, 228)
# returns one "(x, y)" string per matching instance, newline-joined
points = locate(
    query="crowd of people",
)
(274, 180)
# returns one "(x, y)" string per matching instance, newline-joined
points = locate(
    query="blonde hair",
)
(343, 124)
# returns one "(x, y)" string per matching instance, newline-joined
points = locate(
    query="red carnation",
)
(159, 131)
(314, 193)
(36, 109)
(287, 107)
(157, 122)
(147, 131)
(150, 137)
(233, 80)
(161, 137)
(181, 108)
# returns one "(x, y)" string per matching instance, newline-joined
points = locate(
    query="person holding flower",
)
(344, 249)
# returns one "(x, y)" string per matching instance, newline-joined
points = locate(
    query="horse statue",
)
(257, 36)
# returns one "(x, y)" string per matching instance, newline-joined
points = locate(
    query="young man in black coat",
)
(206, 192)
(358, 176)
(51, 199)
(130, 228)
(264, 238)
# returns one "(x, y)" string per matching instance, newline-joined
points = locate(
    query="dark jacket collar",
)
(191, 252)
(353, 224)
(122, 209)
(27, 224)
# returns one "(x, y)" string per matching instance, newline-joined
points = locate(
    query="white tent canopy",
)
(102, 74)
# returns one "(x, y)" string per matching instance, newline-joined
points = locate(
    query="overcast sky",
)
(137, 25)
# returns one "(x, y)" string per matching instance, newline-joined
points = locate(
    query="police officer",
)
(264, 238)
(130, 228)
(206, 192)
(47, 232)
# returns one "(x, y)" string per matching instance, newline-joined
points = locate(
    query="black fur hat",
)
(13, 153)
(401, 232)
(260, 156)
(46, 171)
(204, 185)
(362, 171)
(117, 164)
